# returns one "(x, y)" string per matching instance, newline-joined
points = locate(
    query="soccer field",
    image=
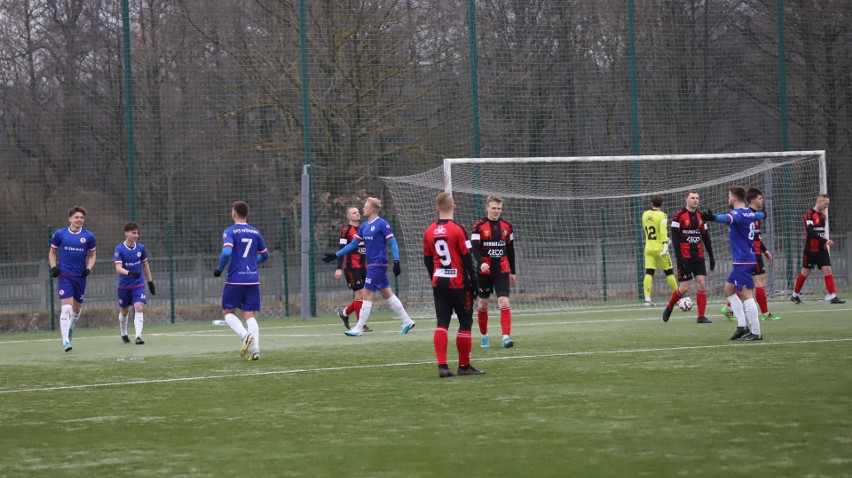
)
(599, 392)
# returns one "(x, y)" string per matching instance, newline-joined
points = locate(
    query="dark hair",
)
(241, 208)
(76, 209)
(131, 226)
(739, 192)
(752, 194)
(657, 200)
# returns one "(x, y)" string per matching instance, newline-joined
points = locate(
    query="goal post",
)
(579, 240)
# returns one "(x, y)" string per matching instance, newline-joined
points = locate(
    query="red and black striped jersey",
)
(447, 244)
(757, 236)
(815, 231)
(493, 243)
(354, 260)
(690, 230)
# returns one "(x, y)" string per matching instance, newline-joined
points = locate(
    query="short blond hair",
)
(444, 201)
(375, 202)
(491, 199)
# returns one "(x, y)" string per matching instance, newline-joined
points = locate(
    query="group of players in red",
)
(461, 267)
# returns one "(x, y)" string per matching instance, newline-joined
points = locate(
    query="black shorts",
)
(759, 269)
(355, 278)
(493, 283)
(689, 268)
(816, 259)
(449, 300)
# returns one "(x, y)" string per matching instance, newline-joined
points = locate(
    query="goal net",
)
(577, 221)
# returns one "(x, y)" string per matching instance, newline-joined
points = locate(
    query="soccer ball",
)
(685, 304)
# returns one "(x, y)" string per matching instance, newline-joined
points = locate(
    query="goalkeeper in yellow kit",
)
(655, 225)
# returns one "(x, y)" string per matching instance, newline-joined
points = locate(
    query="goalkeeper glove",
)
(707, 215)
(86, 272)
(151, 288)
(712, 263)
(217, 273)
(134, 274)
(396, 269)
(665, 250)
(54, 271)
(329, 257)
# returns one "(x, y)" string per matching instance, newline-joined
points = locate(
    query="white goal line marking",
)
(409, 364)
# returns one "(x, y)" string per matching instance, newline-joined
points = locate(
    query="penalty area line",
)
(409, 364)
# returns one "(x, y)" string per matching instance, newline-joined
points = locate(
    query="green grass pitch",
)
(598, 392)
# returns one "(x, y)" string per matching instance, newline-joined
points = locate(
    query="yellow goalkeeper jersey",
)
(655, 225)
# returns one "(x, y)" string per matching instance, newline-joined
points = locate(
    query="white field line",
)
(409, 364)
(225, 331)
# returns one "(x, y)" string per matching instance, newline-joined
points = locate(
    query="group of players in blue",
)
(73, 255)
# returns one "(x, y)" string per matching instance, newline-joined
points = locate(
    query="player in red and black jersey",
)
(493, 241)
(446, 254)
(816, 250)
(690, 242)
(352, 266)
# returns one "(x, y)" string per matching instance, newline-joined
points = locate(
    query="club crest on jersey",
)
(138, 254)
(372, 228)
(505, 232)
(486, 233)
(82, 240)
(816, 220)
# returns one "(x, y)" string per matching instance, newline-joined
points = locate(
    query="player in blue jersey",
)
(72, 256)
(131, 263)
(244, 247)
(740, 283)
(377, 235)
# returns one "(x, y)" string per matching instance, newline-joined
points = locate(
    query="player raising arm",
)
(377, 235)
(690, 238)
(754, 199)
(739, 285)
(446, 254)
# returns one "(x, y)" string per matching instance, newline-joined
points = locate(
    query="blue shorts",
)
(741, 276)
(244, 297)
(126, 297)
(71, 287)
(377, 278)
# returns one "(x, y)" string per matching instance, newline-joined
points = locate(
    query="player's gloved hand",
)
(217, 273)
(54, 271)
(86, 272)
(134, 274)
(473, 287)
(712, 263)
(707, 215)
(151, 288)
(329, 257)
(396, 269)
(665, 250)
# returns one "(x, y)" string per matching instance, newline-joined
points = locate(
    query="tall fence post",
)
(51, 297)
(171, 251)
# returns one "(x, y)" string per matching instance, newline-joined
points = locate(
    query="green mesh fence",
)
(219, 113)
